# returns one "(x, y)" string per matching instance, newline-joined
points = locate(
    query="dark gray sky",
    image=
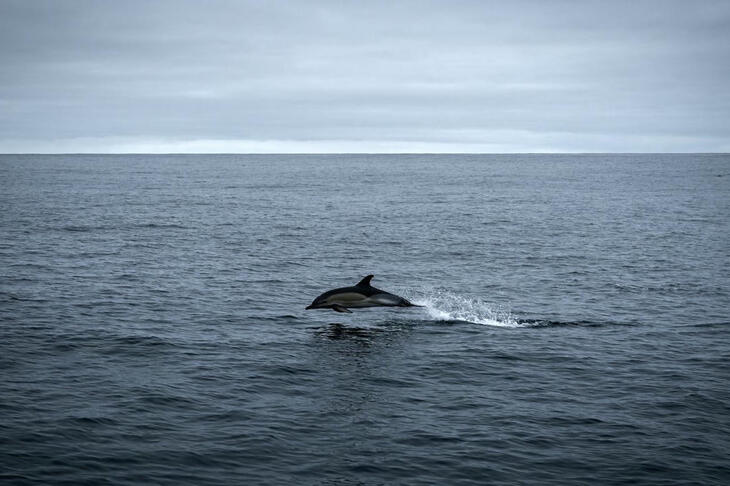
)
(362, 76)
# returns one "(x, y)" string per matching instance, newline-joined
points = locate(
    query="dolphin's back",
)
(366, 291)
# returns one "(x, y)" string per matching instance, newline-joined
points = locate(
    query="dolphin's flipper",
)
(339, 308)
(365, 282)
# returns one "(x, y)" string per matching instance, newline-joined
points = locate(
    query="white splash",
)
(445, 306)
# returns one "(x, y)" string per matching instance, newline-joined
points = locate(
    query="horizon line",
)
(364, 153)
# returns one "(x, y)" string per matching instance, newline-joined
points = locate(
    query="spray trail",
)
(446, 306)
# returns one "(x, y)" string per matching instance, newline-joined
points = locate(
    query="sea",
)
(575, 326)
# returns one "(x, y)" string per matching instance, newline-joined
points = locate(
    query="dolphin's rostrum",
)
(361, 295)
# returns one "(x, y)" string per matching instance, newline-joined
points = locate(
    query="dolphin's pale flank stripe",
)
(361, 295)
(350, 297)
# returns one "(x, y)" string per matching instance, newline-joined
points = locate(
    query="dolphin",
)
(361, 295)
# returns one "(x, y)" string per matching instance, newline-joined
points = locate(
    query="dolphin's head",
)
(318, 303)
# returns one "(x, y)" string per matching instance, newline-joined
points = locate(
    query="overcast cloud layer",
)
(215, 76)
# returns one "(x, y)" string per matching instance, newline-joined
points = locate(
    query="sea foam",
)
(447, 306)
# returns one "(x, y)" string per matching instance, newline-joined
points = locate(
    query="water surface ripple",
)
(575, 327)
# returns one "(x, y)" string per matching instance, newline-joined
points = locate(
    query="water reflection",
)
(353, 362)
(339, 331)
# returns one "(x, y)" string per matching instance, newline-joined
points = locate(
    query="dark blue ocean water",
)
(576, 327)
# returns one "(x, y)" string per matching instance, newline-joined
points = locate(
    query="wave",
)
(86, 228)
(446, 306)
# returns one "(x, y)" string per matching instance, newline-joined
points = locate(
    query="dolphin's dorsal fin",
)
(365, 282)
